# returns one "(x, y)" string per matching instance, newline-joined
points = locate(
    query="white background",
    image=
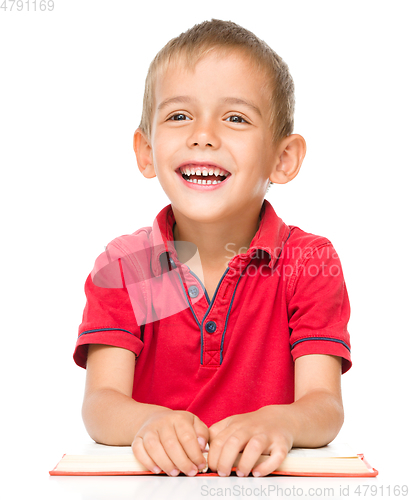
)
(71, 91)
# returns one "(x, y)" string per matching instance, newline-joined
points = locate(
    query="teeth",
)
(196, 171)
(196, 181)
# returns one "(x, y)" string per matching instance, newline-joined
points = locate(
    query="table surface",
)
(392, 473)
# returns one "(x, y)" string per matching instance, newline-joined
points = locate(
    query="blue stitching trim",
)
(284, 243)
(207, 311)
(321, 338)
(106, 330)
(187, 300)
(203, 287)
(227, 317)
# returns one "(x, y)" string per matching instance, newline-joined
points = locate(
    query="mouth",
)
(203, 173)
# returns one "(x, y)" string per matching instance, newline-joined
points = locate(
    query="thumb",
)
(202, 432)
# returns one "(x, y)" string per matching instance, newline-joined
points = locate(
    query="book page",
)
(337, 450)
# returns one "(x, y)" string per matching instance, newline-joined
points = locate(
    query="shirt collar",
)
(270, 237)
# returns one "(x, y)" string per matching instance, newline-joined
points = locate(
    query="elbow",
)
(86, 414)
(89, 413)
(329, 418)
(335, 420)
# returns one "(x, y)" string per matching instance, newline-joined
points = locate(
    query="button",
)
(210, 326)
(193, 291)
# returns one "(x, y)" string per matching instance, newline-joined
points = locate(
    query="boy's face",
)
(216, 115)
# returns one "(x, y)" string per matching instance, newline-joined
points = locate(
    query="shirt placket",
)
(215, 316)
(212, 319)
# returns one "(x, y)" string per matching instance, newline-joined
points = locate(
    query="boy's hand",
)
(265, 431)
(172, 441)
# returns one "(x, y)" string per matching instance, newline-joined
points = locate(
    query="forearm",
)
(112, 418)
(312, 421)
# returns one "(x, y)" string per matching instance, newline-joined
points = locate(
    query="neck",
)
(217, 241)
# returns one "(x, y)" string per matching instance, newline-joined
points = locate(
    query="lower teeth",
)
(195, 181)
(203, 181)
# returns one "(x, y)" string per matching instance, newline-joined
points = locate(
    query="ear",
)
(292, 150)
(143, 153)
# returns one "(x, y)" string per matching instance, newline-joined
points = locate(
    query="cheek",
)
(163, 146)
(249, 149)
(160, 147)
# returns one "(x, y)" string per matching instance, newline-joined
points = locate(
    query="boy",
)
(244, 351)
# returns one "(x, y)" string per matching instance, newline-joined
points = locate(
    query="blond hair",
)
(225, 36)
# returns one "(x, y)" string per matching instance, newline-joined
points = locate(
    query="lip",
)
(202, 187)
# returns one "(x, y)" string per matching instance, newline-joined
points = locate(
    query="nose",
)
(204, 135)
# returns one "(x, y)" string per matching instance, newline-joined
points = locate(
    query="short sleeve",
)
(318, 306)
(108, 319)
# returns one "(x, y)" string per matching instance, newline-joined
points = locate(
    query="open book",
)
(329, 461)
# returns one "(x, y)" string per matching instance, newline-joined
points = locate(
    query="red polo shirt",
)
(230, 354)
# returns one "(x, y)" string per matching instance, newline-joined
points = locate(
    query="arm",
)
(313, 420)
(161, 439)
(318, 408)
(109, 413)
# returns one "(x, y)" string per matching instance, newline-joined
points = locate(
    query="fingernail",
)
(256, 474)
(157, 470)
(239, 473)
(174, 472)
(202, 466)
(222, 474)
(193, 473)
(202, 442)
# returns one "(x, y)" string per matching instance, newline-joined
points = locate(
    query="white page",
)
(341, 450)
(333, 450)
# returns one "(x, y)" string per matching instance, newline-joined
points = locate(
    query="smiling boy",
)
(252, 360)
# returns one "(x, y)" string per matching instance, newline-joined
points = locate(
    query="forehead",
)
(218, 73)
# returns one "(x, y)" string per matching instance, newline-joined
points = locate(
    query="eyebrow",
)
(249, 104)
(175, 100)
(228, 100)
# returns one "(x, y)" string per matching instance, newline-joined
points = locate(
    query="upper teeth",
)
(204, 171)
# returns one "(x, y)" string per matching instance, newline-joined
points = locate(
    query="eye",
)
(236, 119)
(179, 117)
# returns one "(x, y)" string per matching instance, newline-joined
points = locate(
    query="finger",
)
(229, 451)
(219, 433)
(179, 445)
(142, 456)
(218, 427)
(155, 449)
(251, 453)
(214, 452)
(202, 433)
(188, 439)
(277, 456)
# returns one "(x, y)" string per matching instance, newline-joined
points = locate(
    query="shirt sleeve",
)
(318, 306)
(108, 319)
